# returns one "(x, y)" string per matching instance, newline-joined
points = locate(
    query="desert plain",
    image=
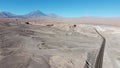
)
(60, 42)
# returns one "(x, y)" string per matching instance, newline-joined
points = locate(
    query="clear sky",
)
(65, 8)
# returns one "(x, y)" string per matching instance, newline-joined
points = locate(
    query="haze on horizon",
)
(65, 8)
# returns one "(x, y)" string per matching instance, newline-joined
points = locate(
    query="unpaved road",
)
(99, 59)
(111, 53)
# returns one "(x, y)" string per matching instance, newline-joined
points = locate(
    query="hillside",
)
(45, 44)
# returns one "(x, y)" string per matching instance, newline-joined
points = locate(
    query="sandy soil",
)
(56, 43)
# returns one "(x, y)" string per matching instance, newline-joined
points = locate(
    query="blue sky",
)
(65, 8)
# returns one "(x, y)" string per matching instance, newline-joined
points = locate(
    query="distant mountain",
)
(6, 15)
(33, 14)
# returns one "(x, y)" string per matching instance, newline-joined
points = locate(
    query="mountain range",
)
(33, 14)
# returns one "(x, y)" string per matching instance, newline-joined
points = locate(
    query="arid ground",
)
(60, 43)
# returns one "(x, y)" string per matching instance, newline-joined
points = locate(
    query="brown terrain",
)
(60, 43)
